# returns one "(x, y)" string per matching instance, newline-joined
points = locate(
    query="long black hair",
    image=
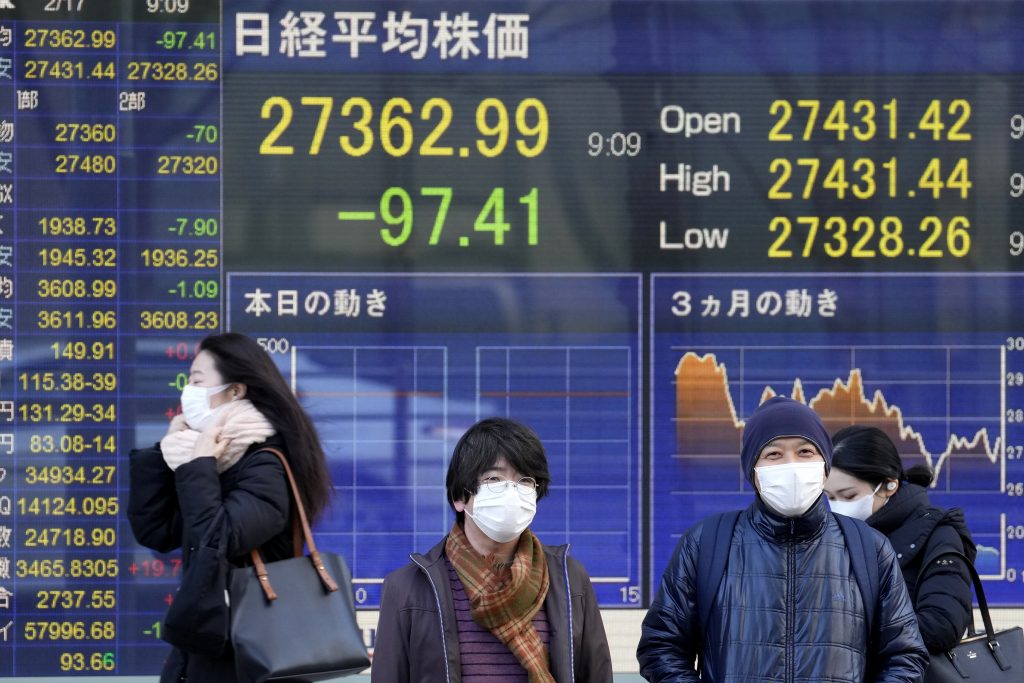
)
(870, 455)
(240, 359)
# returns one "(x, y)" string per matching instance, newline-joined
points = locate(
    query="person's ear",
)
(237, 391)
(891, 487)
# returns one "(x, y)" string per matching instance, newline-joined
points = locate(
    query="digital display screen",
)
(622, 223)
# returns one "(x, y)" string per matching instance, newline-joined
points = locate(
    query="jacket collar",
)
(908, 499)
(432, 556)
(909, 519)
(793, 529)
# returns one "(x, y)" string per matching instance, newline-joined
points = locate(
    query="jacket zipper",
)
(440, 617)
(568, 601)
(791, 601)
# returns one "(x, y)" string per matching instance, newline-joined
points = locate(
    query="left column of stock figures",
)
(110, 271)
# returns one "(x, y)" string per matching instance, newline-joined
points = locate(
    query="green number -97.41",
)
(398, 212)
(185, 40)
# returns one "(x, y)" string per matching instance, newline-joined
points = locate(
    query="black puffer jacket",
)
(168, 510)
(939, 583)
(788, 610)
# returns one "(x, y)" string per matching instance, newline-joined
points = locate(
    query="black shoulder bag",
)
(990, 657)
(307, 627)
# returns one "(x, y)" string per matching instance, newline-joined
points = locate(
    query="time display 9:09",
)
(392, 126)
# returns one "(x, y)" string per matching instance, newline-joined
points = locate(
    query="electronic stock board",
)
(623, 223)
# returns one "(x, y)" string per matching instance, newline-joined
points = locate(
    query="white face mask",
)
(195, 404)
(858, 508)
(791, 489)
(503, 515)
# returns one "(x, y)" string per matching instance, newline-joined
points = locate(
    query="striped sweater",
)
(484, 658)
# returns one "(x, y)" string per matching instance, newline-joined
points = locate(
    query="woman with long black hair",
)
(867, 481)
(213, 464)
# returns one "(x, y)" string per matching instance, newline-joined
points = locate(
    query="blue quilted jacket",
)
(787, 610)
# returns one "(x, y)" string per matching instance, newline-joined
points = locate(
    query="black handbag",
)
(197, 619)
(306, 628)
(990, 657)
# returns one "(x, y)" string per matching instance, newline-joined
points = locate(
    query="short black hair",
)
(483, 445)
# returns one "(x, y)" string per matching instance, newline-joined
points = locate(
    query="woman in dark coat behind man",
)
(213, 464)
(868, 481)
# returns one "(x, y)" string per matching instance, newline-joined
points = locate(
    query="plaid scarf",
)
(504, 599)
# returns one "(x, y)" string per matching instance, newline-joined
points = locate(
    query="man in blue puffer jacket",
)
(788, 607)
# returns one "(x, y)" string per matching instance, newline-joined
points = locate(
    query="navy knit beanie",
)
(779, 417)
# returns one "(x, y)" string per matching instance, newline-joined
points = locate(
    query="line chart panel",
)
(394, 368)
(888, 352)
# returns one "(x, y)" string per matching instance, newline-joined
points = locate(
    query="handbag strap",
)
(990, 632)
(979, 590)
(307, 535)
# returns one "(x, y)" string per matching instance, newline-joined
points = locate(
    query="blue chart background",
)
(391, 397)
(932, 345)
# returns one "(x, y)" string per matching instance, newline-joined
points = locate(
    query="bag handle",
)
(307, 534)
(979, 590)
